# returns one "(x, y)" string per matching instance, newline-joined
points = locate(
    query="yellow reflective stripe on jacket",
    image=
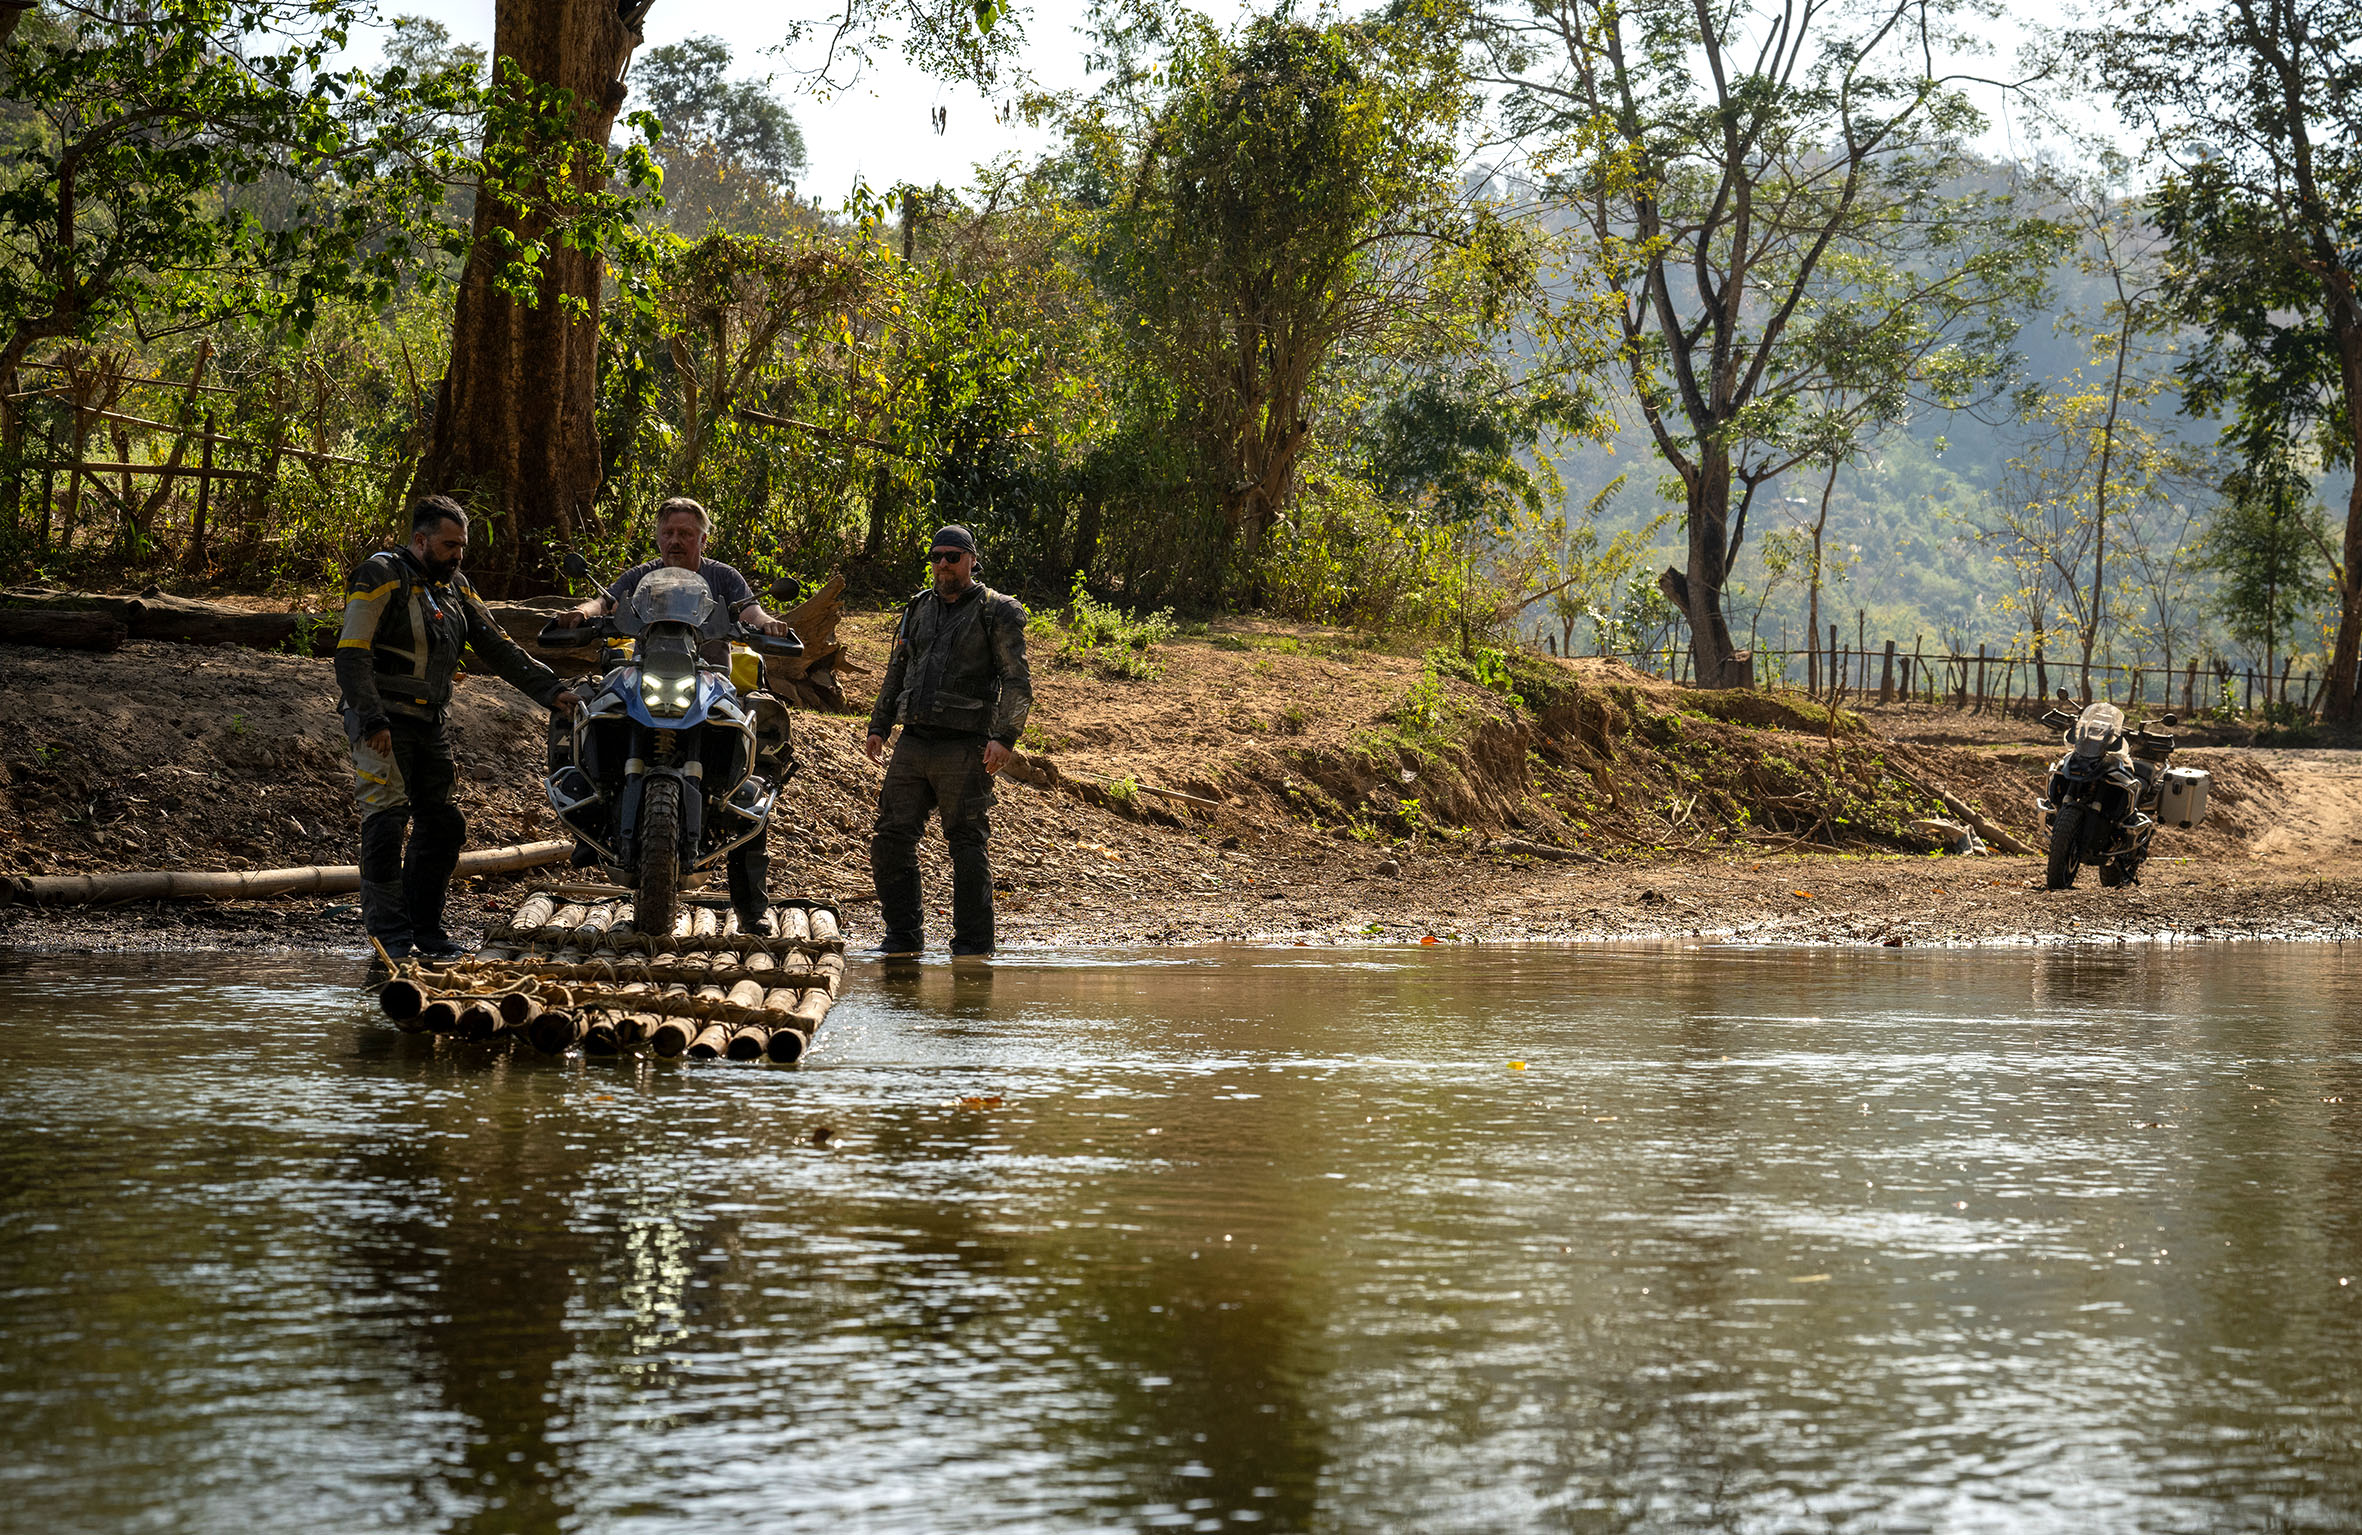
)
(362, 613)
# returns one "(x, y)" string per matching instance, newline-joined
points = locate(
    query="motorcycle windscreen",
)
(2097, 729)
(670, 595)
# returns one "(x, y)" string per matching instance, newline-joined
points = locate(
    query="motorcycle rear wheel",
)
(657, 895)
(2066, 833)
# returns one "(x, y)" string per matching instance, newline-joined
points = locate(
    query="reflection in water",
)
(1241, 1239)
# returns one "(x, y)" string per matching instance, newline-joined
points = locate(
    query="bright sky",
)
(880, 130)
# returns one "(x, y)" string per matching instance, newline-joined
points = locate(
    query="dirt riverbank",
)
(1268, 783)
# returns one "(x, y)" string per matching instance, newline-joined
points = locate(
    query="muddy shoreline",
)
(1811, 901)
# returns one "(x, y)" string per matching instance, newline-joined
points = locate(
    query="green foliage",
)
(1110, 641)
(2267, 545)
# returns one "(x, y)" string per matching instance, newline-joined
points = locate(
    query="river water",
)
(1250, 1238)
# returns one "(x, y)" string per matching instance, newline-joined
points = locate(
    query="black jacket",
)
(404, 634)
(958, 668)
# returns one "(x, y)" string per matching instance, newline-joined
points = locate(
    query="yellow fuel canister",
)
(746, 669)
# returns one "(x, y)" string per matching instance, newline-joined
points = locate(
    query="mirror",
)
(576, 566)
(787, 589)
(2168, 720)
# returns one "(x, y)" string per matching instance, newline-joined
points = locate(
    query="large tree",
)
(2255, 106)
(1278, 198)
(1776, 195)
(515, 429)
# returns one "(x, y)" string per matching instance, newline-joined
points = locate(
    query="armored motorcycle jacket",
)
(958, 668)
(405, 632)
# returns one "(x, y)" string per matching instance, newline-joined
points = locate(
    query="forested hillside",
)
(1700, 361)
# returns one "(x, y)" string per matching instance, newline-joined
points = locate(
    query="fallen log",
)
(1962, 810)
(155, 616)
(174, 884)
(62, 631)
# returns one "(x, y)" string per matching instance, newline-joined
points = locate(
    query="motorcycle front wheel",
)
(657, 897)
(2066, 835)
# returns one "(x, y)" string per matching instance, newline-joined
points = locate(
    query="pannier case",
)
(2182, 801)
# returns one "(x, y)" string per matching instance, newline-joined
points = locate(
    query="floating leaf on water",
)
(1517, 1065)
(1430, 938)
(991, 1102)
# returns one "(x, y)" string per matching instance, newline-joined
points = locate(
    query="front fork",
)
(659, 752)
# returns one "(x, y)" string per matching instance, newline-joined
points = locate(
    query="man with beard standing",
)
(408, 616)
(957, 684)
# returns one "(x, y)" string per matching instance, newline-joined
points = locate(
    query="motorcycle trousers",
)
(948, 778)
(408, 789)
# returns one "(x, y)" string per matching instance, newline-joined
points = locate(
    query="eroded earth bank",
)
(1265, 783)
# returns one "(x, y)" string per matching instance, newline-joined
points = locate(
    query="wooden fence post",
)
(1919, 668)
(204, 496)
(1982, 693)
(2285, 667)
(2249, 706)
(1886, 676)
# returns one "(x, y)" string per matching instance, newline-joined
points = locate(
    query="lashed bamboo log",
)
(564, 921)
(439, 1016)
(599, 1037)
(824, 927)
(555, 1031)
(478, 1019)
(518, 1009)
(710, 1042)
(595, 922)
(533, 914)
(671, 1036)
(785, 1045)
(401, 998)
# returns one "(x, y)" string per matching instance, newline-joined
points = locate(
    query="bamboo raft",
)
(570, 970)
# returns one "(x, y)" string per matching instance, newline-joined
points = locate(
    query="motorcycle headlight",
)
(668, 698)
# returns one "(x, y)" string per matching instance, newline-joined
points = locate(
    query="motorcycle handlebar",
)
(554, 636)
(786, 646)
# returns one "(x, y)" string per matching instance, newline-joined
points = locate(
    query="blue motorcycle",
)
(664, 778)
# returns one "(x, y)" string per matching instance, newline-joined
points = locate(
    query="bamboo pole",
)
(401, 998)
(533, 914)
(555, 1031)
(316, 879)
(479, 1019)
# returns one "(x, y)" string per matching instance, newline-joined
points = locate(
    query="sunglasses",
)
(948, 556)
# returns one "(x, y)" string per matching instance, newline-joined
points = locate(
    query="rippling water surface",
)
(1274, 1239)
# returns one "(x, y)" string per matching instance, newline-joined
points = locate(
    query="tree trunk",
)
(1698, 591)
(515, 435)
(2337, 695)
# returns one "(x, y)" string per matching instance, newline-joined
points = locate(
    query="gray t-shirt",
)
(724, 581)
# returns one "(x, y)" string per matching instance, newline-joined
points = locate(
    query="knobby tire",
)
(657, 898)
(2066, 837)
